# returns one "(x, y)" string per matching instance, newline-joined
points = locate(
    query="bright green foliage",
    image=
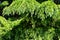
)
(30, 20)
(6, 26)
(4, 3)
(17, 7)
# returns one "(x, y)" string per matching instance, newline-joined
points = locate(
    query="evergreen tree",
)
(29, 20)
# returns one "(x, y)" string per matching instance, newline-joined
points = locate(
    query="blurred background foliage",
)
(29, 19)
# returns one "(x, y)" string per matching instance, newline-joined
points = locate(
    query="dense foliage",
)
(29, 20)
